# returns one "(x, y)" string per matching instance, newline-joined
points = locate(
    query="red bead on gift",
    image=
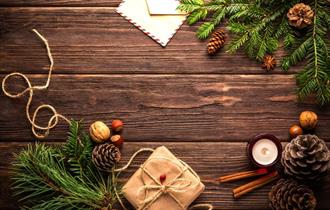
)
(162, 178)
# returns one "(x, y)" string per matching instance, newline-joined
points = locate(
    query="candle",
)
(264, 150)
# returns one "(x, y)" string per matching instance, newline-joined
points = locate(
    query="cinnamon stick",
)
(239, 191)
(242, 175)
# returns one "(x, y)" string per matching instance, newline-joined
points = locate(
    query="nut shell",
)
(295, 131)
(117, 140)
(117, 126)
(99, 132)
(308, 120)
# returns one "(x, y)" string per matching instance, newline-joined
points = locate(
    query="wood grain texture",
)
(203, 108)
(60, 3)
(166, 107)
(209, 160)
(98, 40)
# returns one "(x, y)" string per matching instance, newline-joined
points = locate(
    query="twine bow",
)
(168, 188)
(173, 186)
(176, 185)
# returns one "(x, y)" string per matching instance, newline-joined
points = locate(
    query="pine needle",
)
(48, 177)
(258, 27)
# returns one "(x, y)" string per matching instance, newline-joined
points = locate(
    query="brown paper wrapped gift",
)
(163, 182)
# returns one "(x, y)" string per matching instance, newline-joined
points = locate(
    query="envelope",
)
(159, 19)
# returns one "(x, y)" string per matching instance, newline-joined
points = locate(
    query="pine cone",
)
(105, 156)
(300, 15)
(288, 194)
(216, 42)
(269, 62)
(306, 157)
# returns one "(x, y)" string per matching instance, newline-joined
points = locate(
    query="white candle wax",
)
(264, 151)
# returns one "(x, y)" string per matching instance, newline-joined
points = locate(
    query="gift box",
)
(163, 182)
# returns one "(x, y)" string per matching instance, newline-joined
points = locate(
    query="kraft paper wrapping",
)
(181, 187)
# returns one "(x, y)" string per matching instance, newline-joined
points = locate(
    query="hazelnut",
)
(308, 120)
(117, 140)
(295, 131)
(117, 126)
(99, 132)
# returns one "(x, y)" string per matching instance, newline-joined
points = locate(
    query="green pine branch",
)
(258, 36)
(77, 149)
(218, 9)
(260, 26)
(315, 77)
(45, 177)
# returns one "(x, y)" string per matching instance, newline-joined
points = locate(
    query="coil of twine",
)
(54, 119)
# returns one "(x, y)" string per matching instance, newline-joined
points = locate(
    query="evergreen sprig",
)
(78, 149)
(260, 26)
(45, 177)
(315, 48)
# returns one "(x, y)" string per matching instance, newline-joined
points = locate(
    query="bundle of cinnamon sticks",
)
(239, 191)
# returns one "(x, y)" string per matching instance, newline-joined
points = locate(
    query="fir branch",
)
(199, 10)
(259, 25)
(298, 54)
(190, 5)
(43, 178)
(205, 30)
(289, 40)
(196, 16)
(315, 77)
(218, 16)
(42, 182)
(77, 149)
(261, 30)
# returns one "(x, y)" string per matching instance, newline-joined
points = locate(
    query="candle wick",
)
(265, 151)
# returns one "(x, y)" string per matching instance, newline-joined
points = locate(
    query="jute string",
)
(53, 120)
(176, 185)
(172, 186)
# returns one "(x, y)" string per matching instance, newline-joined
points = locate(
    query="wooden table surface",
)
(202, 108)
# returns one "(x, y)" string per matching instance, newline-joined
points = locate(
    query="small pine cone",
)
(105, 156)
(306, 157)
(269, 63)
(300, 15)
(216, 42)
(289, 195)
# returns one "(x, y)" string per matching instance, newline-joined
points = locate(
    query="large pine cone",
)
(105, 156)
(288, 194)
(300, 15)
(216, 42)
(306, 157)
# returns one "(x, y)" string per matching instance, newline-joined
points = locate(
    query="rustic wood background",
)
(203, 108)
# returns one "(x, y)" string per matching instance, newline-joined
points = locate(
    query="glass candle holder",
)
(264, 150)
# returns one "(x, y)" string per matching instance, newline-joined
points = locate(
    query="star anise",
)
(269, 63)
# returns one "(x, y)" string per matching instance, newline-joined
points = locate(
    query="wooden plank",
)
(209, 160)
(167, 107)
(98, 40)
(57, 3)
